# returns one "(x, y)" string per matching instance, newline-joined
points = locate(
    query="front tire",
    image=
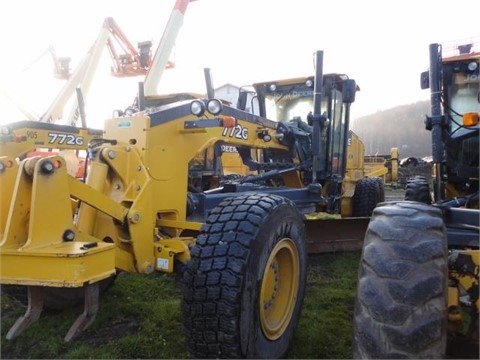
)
(245, 283)
(401, 304)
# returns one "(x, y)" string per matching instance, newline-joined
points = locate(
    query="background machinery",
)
(78, 82)
(132, 61)
(418, 288)
(384, 166)
(240, 248)
(61, 64)
(61, 70)
(127, 60)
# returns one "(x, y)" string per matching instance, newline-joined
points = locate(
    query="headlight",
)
(309, 83)
(214, 106)
(272, 87)
(197, 108)
(472, 66)
(117, 113)
(130, 111)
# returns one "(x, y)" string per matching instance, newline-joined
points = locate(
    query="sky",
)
(383, 45)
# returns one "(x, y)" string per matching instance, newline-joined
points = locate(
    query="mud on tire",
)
(245, 283)
(401, 303)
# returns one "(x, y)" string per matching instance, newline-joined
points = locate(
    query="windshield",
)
(464, 97)
(289, 102)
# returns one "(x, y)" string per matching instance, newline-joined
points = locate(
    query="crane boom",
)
(61, 65)
(82, 77)
(130, 63)
(164, 49)
(30, 115)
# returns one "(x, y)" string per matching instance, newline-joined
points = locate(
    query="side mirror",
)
(242, 100)
(424, 80)
(348, 91)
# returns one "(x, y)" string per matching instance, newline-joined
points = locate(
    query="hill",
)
(402, 127)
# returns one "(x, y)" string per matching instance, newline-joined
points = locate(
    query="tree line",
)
(401, 127)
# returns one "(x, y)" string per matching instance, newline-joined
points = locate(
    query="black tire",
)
(366, 197)
(56, 298)
(418, 189)
(401, 304)
(410, 162)
(381, 189)
(250, 246)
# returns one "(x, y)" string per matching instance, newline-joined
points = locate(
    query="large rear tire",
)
(401, 304)
(245, 283)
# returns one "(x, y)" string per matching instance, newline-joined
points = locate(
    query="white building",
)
(229, 93)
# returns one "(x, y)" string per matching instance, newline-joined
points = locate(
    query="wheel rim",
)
(278, 294)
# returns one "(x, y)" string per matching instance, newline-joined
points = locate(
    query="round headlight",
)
(130, 111)
(214, 106)
(272, 87)
(309, 83)
(117, 113)
(197, 108)
(472, 66)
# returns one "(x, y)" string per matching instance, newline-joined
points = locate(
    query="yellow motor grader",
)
(240, 248)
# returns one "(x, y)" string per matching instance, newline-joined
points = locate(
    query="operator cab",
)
(287, 99)
(291, 102)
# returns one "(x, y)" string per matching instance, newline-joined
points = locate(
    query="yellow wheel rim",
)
(278, 294)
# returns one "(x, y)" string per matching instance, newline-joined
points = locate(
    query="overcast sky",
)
(383, 45)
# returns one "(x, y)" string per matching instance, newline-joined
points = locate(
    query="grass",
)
(140, 317)
(325, 328)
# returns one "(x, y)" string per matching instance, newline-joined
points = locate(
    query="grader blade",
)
(89, 313)
(34, 309)
(332, 235)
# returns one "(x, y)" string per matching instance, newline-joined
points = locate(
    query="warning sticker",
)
(162, 264)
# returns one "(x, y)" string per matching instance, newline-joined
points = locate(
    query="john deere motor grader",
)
(418, 287)
(241, 248)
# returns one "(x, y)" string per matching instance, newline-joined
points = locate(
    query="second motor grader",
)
(419, 276)
(241, 248)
